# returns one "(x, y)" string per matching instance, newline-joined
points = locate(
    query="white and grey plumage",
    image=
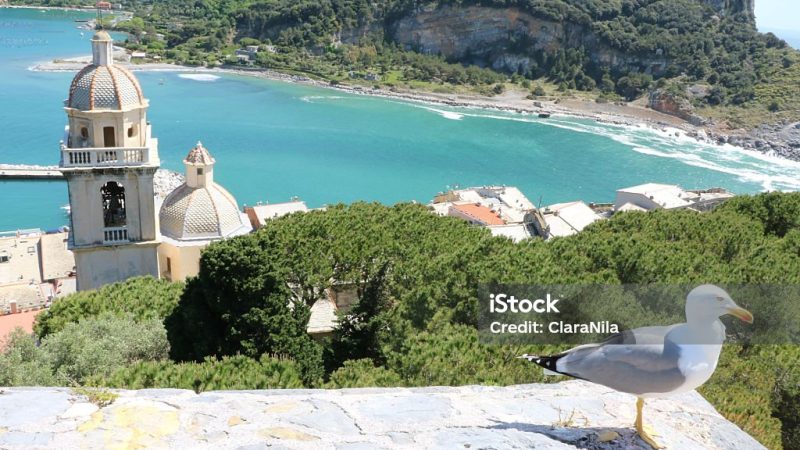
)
(655, 361)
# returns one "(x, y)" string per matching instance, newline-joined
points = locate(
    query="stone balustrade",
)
(99, 157)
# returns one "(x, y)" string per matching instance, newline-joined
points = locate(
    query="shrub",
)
(363, 373)
(230, 372)
(142, 298)
(95, 346)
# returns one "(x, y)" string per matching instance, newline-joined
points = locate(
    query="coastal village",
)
(584, 143)
(130, 218)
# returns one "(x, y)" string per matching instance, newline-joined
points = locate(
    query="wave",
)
(770, 172)
(314, 98)
(452, 115)
(205, 77)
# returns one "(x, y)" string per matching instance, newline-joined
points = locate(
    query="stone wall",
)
(567, 415)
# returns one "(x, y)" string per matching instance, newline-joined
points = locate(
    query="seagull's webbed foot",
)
(645, 432)
(648, 435)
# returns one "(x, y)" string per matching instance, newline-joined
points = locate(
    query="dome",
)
(208, 212)
(201, 209)
(104, 87)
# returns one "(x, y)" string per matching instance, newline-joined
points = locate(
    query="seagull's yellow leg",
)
(640, 428)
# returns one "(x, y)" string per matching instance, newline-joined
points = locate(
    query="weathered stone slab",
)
(567, 415)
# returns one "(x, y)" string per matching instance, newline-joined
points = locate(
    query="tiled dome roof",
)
(206, 212)
(104, 87)
(199, 155)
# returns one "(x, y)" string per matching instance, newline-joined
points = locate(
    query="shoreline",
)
(505, 103)
(58, 8)
(616, 114)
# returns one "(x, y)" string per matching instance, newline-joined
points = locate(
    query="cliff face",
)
(505, 39)
(734, 6)
(675, 106)
(562, 416)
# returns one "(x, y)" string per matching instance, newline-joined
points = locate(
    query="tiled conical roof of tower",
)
(199, 155)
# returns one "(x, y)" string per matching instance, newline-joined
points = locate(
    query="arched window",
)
(113, 195)
(84, 133)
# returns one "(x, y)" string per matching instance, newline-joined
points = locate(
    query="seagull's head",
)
(709, 302)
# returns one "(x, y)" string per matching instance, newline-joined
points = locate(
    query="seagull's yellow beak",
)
(741, 313)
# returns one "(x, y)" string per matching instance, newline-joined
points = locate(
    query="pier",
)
(29, 172)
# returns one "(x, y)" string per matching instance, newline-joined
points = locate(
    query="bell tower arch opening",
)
(113, 196)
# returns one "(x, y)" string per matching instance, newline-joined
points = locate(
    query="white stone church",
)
(109, 157)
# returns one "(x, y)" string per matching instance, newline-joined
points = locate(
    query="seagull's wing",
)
(639, 361)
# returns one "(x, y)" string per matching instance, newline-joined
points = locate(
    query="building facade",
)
(195, 214)
(109, 158)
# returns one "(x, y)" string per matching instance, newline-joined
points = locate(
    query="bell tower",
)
(109, 159)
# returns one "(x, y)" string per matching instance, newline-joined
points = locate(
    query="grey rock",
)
(567, 415)
(17, 411)
(21, 439)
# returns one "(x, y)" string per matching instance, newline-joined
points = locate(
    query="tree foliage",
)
(229, 372)
(658, 38)
(417, 280)
(95, 346)
(142, 298)
(243, 307)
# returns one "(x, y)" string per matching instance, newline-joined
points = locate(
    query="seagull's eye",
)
(720, 299)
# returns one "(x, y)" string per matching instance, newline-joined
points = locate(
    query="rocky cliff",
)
(505, 39)
(567, 415)
(667, 103)
(734, 6)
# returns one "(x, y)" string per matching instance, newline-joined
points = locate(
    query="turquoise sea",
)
(274, 140)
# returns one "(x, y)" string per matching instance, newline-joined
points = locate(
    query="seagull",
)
(657, 361)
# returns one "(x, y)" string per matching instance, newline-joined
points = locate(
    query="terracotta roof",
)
(22, 320)
(480, 213)
(199, 155)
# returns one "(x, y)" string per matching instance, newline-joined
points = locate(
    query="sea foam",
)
(768, 171)
(205, 77)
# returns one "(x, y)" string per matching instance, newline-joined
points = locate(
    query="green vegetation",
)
(94, 346)
(141, 298)
(100, 397)
(242, 314)
(716, 60)
(231, 372)
(750, 76)
(417, 277)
